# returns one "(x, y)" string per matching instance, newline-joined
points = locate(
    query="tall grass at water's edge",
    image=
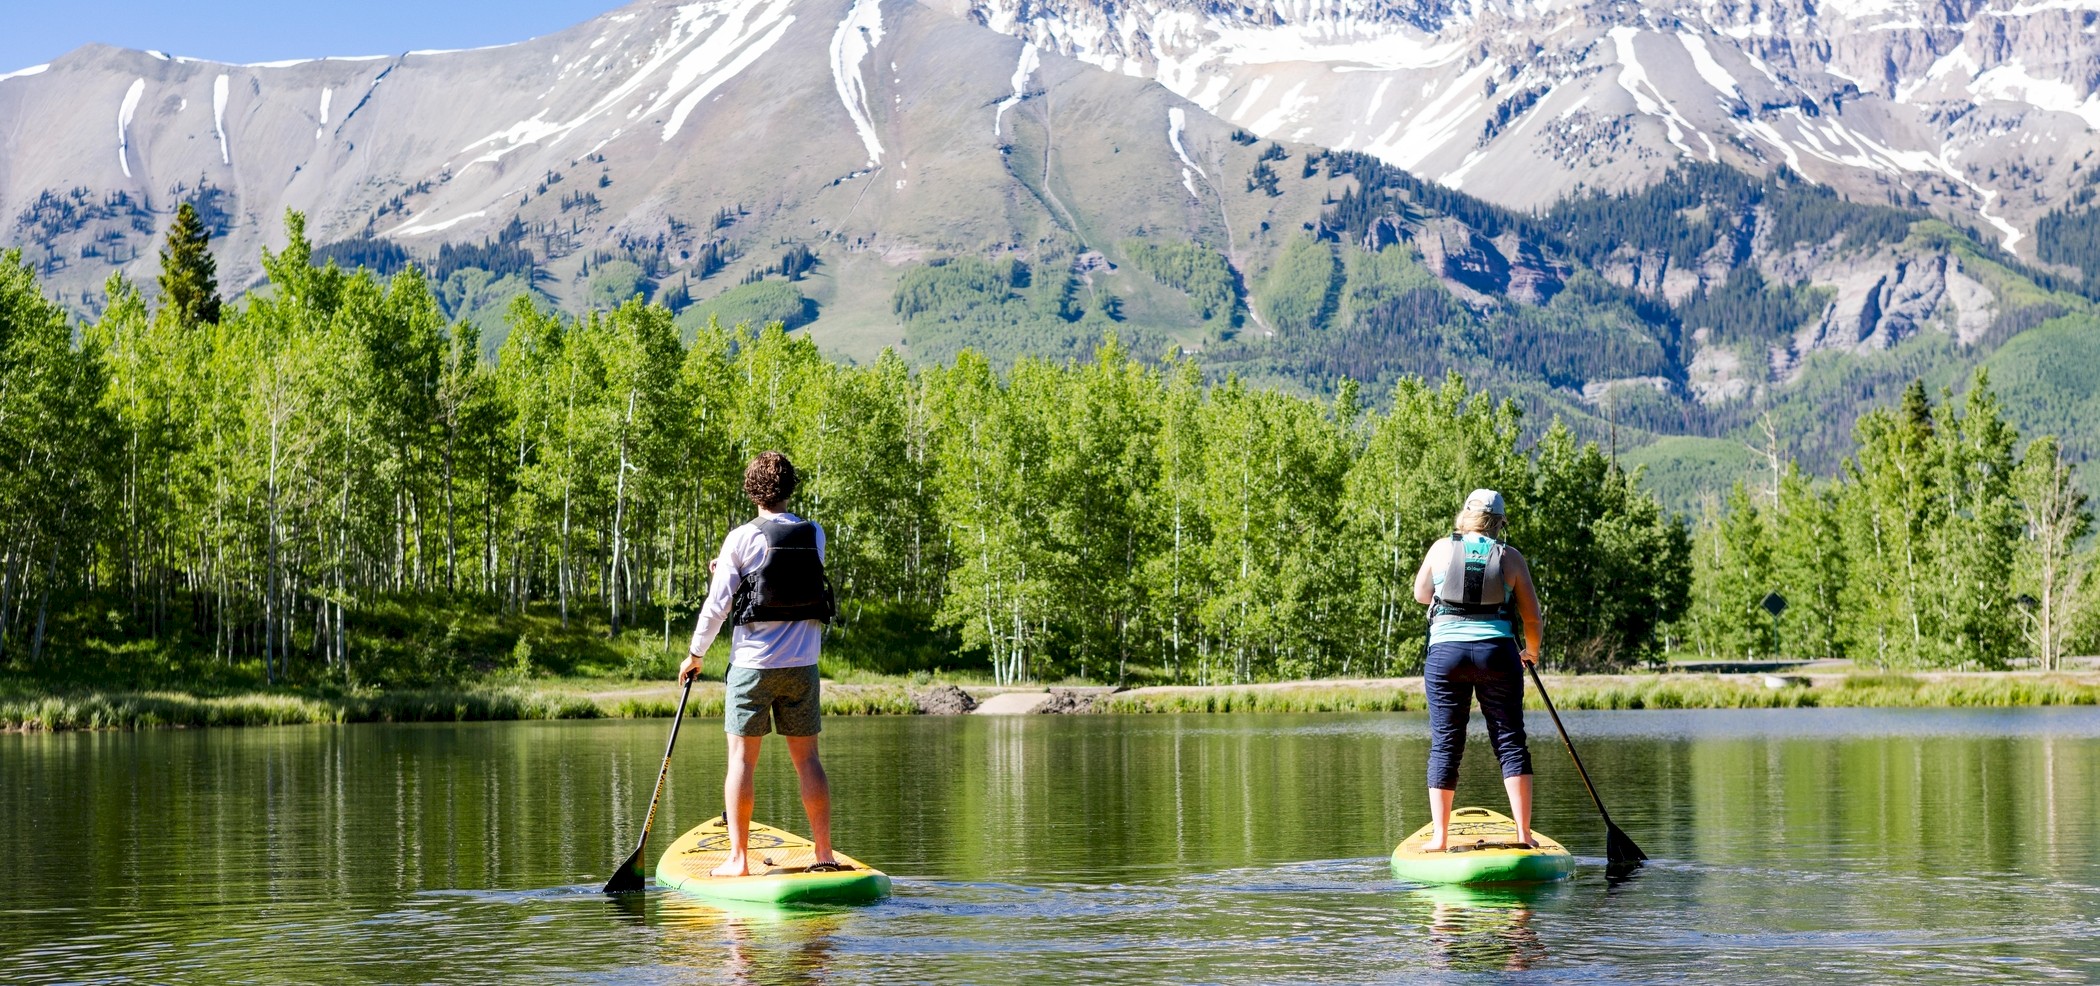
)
(157, 709)
(149, 710)
(1702, 692)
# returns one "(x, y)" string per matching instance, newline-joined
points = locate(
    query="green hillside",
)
(2049, 379)
(1682, 470)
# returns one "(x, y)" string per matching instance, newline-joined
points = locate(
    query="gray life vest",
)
(789, 583)
(1473, 586)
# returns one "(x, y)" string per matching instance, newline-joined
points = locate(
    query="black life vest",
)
(789, 583)
(1473, 586)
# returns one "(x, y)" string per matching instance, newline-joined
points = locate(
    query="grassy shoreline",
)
(29, 710)
(104, 709)
(2004, 689)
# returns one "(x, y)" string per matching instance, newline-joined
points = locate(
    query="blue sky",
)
(38, 31)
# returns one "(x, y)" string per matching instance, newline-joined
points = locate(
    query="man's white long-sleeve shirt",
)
(778, 644)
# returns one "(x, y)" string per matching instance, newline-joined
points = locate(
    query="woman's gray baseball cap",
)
(1486, 501)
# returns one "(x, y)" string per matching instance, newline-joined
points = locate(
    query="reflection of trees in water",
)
(1481, 931)
(754, 944)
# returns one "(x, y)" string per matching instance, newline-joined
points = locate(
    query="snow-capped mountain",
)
(819, 109)
(876, 132)
(1979, 107)
(849, 145)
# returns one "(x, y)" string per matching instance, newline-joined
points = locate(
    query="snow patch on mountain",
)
(1407, 142)
(2028, 9)
(1031, 59)
(1178, 121)
(2012, 83)
(707, 42)
(327, 96)
(1349, 45)
(1377, 100)
(724, 53)
(1633, 77)
(1708, 68)
(408, 229)
(124, 112)
(1293, 107)
(458, 51)
(1254, 93)
(23, 73)
(218, 116)
(857, 35)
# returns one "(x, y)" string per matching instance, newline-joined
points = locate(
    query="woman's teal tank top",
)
(1474, 628)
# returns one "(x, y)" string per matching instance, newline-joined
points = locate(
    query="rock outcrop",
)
(1985, 109)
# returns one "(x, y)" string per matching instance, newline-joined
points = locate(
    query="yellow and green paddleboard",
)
(1483, 849)
(779, 873)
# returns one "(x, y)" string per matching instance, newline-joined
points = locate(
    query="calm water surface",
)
(1789, 846)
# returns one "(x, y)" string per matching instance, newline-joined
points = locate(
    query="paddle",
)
(630, 877)
(1619, 849)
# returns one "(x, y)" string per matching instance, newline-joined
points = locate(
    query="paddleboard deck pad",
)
(778, 864)
(1483, 849)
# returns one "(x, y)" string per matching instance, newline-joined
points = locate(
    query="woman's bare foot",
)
(735, 865)
(1437, 842)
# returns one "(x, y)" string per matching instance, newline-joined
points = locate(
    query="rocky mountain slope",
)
(715, 134)
(1690, 222)
(1985, 108)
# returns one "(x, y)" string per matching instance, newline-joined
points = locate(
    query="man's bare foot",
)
(735, 865)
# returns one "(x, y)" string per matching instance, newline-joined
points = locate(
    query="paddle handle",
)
(1564, 741)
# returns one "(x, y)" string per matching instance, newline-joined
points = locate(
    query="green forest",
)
(324, 481)
(1945, 542)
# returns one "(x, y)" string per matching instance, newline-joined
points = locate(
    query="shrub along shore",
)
(102, 709)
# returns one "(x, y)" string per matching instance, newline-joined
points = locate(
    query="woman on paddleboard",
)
(1477, 590)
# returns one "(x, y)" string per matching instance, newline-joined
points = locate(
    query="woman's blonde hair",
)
(1479, 522)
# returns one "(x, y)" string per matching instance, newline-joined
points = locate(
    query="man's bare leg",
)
(736, 799)
(1519, 788)
(816, 793)
(1439, 816)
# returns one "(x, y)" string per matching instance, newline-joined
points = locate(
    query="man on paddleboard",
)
(1476, 588)
(769, 584)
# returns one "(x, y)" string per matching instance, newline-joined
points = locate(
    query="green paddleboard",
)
(779, 869)
(1483, 849)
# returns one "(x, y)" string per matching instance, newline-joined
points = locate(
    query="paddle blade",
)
(1619, 849)
(630, 878)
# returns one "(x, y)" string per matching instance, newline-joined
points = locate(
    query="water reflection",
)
(1475, 929)
(1796, 846)
(748, 944)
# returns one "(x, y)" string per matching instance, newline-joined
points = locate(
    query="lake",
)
(1788, 846)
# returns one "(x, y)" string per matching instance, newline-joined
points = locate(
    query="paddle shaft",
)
(679, 717)
(1572, 755)
(628, 877)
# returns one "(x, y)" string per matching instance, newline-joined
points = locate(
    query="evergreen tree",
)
(189, 280)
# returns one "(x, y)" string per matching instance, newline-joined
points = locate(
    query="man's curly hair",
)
(769, 480)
